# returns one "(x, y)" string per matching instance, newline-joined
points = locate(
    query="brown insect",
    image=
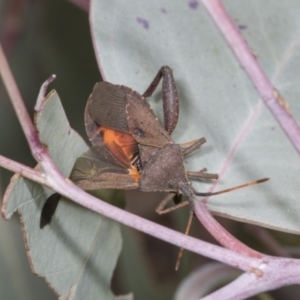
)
(132, 150)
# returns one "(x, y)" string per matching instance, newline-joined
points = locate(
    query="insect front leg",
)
(160, 209)
(202, 174)
(169, 95)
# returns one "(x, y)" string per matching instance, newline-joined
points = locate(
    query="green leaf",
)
(77, 253)
(217, 99)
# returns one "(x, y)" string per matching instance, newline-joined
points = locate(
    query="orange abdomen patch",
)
(123, 146)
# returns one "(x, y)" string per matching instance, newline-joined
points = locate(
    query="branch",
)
(250, 284)
(220, 233)
(21, 169)
(72, 192)
(241, 50)
(19, 106)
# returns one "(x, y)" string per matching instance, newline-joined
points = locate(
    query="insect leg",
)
(160, 209)
(169, 95)
(190, 147)
(202, 174)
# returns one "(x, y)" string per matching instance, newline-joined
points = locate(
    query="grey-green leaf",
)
(77, 253)
(134, 39)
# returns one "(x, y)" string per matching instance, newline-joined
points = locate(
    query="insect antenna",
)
(233, 188)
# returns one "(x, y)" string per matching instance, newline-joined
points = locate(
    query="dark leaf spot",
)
(49, 209)
(143, 22)
(193, 4)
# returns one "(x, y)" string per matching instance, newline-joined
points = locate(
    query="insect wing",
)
(105, 121)
(98, 169)
(106, 106)
(143, 125)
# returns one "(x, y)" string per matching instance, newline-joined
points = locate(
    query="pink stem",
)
(229, 257)
(205, 217)
(19, 106)
(38, 151)
(220, 233)
(40, 100)
(249, 63)
(250, 284)
(269, 95)
(68, 189)
(21, 169)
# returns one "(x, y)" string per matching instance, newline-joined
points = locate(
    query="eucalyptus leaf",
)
(77, 253)
(133, 39)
